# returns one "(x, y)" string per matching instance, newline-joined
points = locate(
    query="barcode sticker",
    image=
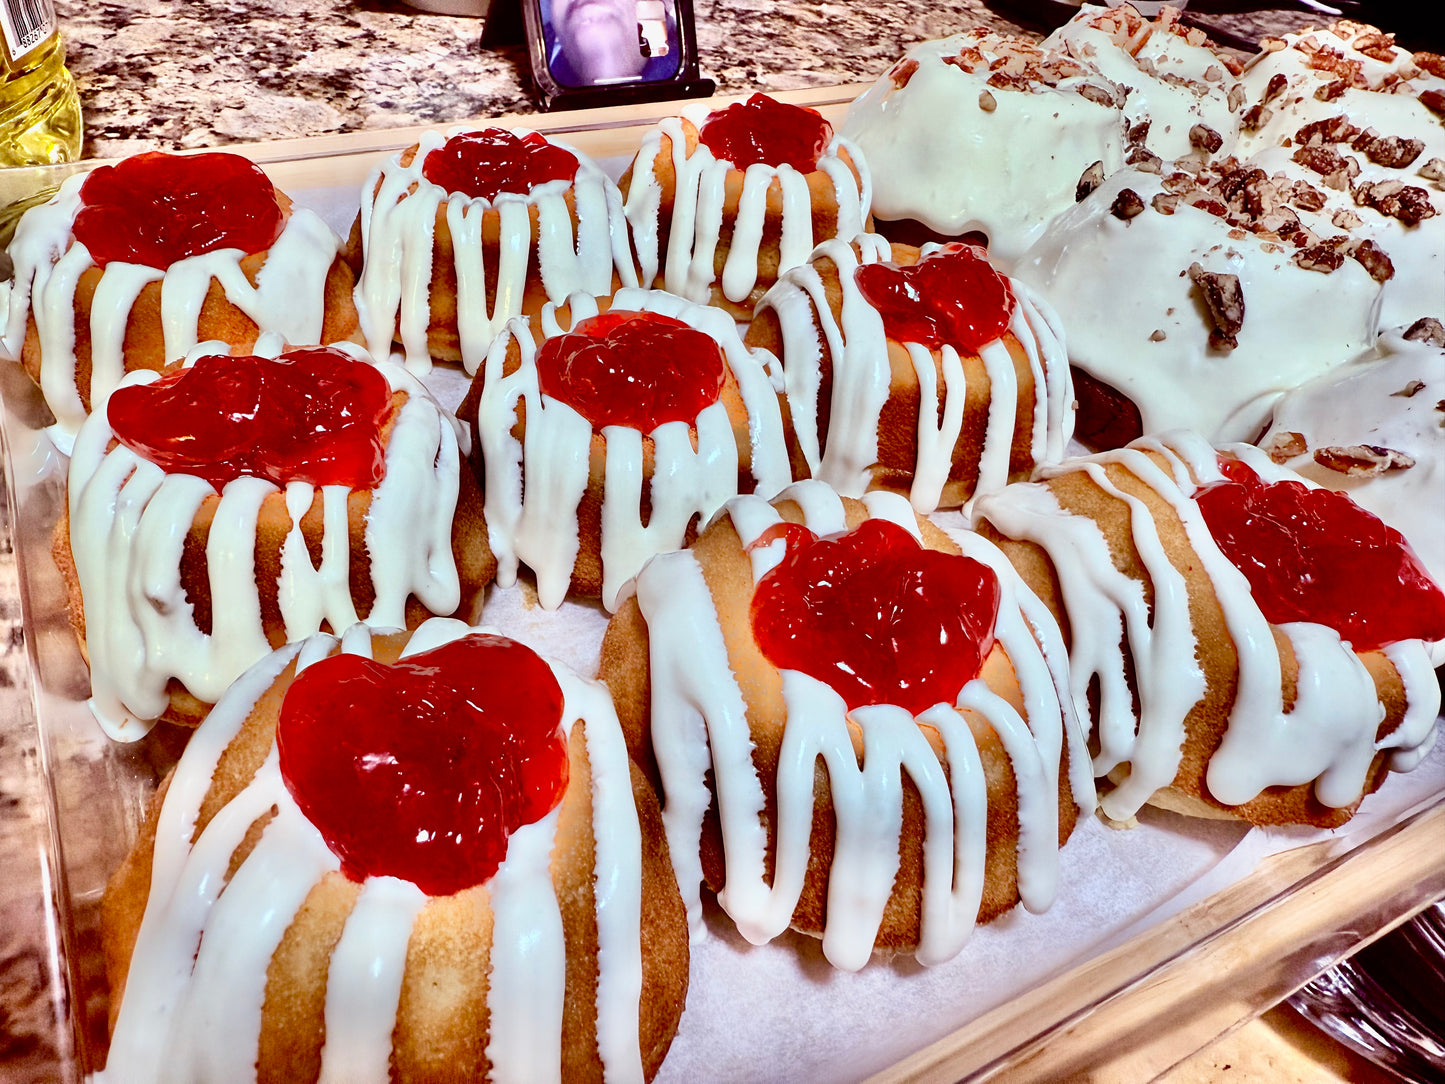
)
(26, 24)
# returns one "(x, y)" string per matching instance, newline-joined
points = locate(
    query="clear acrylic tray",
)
(1164, 937)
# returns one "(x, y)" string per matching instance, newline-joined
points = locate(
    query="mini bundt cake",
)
(1245, 644)
(924, 372)
(861, 727)
(605, 430)
(456, 235)
(722, 202)
(129, 266)
(235, 503)
(324, 890)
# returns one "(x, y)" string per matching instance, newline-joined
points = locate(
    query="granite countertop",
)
(171, 74)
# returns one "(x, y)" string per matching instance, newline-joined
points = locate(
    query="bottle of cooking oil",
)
(39, 108)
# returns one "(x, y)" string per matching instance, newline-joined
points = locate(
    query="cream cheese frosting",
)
(978, 132)
(1116, 267)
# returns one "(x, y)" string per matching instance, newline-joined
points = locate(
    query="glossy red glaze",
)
(1315, 555)
(155, 209)
(952, 296)
(765, 130)
(423, 769)
(637, 369)
(875, 615)
(311, 415)
(494, 160)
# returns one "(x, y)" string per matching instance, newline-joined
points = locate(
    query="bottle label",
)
(25, 24)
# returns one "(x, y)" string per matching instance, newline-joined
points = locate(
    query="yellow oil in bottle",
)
(39, 107)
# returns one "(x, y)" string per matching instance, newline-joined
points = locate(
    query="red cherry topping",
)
(952, 296)
(494, 160)
(637, 369)
(765, 130)
(423, 769)
(875, 615)
(155, 209)
(312, 415)
(1315, 555)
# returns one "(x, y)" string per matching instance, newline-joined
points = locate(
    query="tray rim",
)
(994, 1043)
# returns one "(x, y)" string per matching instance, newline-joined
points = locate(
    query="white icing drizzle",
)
(699, 722)
(398, 233)
(857, 349)
(1329, 735)
(686, 256)
(129, 521)
(183, 1019)
(288, 297)
(539, 526)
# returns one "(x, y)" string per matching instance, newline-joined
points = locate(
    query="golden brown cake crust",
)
(727, 570)
(898, 422)
(476, 566)
(144, 344)
(1206, 723)
(442, 1029)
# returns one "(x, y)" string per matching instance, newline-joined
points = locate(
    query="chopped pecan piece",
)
(1433, 100)
(1142, 158)
(1330, 130)
(1362, 460)
(1126, 205)
(1377, 46)
(1346, 219)
(1166, 203)
(1433, 170)
(1427, 329)
(1433, 63)
(986, 101)
(1395, 199)
(1256, 117)
(1096, 94)
(1284, 446)
(1328, 92)
(1138, 133)
(1392, 152)
(1236, 97)
(1323, 257)
(1089, 180)
(1413, 388)
(1224, 301)
(1277, 82)
(1205, 138)
(903, 71)
(1373, 259)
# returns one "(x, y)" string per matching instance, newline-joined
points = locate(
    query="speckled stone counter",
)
(168, 74)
